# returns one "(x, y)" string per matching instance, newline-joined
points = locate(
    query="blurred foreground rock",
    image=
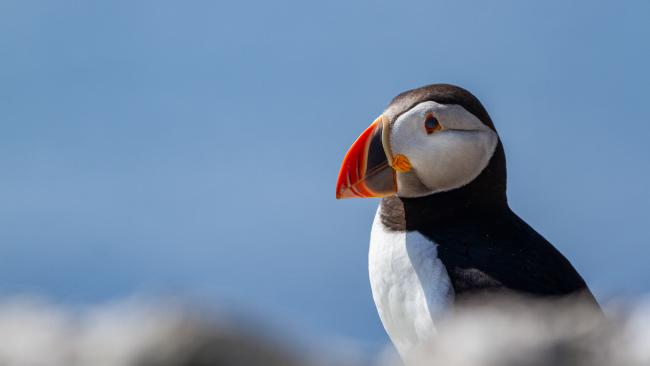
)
(506, 332)
(134, 333)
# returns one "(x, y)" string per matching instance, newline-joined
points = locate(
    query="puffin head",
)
(429, 140)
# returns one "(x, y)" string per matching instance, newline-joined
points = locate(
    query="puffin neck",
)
(484, 195)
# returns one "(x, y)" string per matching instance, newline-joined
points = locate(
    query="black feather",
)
(483, 244)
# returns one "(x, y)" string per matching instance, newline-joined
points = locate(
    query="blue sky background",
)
(192, 147)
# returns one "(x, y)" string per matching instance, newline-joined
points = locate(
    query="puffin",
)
(444, 233)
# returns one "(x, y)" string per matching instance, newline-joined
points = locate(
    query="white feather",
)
(410, 286)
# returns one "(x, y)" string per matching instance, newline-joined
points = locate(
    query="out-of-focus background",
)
(190, 149)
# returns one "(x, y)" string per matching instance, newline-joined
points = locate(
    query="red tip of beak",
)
(359, 180)
(350, 181)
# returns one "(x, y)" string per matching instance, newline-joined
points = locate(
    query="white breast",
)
(410, 285)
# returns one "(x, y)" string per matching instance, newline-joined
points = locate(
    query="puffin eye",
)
(431, 124)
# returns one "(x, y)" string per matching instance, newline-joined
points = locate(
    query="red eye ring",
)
(431, 124)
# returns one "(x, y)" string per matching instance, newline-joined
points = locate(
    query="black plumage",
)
(483, 244)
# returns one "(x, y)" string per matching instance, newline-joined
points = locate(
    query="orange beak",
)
(366, 171)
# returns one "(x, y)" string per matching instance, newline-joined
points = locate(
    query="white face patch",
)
(445, 159)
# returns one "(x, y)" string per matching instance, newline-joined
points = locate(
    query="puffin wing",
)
(504, 253)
